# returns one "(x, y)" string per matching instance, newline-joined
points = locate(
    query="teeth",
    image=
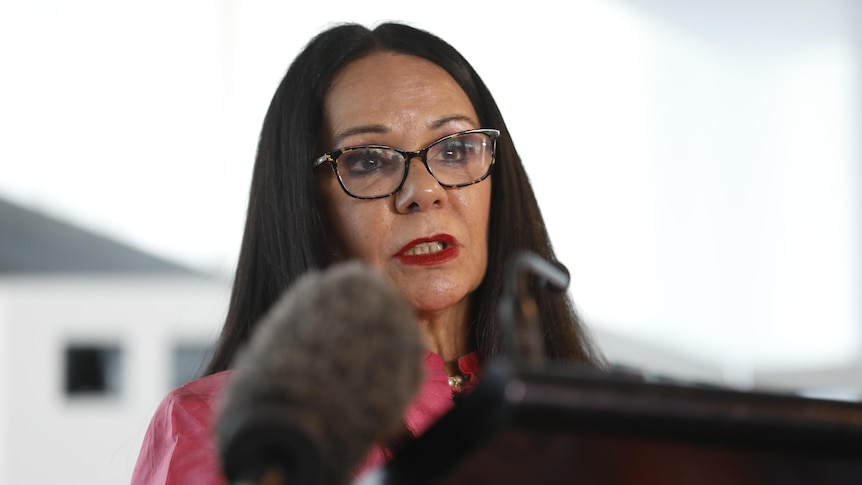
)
(425, 248)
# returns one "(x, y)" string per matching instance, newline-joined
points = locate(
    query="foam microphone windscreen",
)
(327, 373)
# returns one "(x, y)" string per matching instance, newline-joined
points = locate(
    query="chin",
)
(435, 303)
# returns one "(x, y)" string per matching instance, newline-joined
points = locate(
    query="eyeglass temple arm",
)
(319, 161)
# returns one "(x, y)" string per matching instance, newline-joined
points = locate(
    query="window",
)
(189, 362)
(92, 370)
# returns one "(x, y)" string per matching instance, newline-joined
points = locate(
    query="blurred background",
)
(698, 165)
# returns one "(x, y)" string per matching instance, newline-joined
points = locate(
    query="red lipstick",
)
(449, 252)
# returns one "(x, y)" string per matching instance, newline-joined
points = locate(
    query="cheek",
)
(483, 236)
(481, 206)
(477, 209)
(486, 222)
(359, 225)
(328, 198)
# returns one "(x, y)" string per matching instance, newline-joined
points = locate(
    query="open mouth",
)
(426, 248)
(430, 251)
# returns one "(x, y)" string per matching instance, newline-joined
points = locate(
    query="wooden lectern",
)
(570, 426)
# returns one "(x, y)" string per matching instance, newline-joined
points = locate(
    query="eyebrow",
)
(380, 129)
(359, 130)
(449, 119)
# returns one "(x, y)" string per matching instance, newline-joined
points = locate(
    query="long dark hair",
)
(285, 232)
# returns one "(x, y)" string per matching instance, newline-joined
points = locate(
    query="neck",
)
(445, 334)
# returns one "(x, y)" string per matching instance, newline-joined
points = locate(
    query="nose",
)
(420, 190)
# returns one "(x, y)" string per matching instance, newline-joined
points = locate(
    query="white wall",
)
(50, 437)
(714, 193)
(5, 372)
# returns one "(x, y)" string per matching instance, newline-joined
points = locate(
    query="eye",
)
(366, 162)
(453, 150)
(460, 149)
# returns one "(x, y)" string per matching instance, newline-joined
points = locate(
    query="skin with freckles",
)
(408, 102)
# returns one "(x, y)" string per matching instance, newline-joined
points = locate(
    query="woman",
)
(441, 231)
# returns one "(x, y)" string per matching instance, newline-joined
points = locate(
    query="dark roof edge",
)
(34, 242)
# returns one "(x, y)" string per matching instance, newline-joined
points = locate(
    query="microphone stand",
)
(519, 313)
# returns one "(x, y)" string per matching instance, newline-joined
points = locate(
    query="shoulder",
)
(178, 446)
(194, 403)
(198, 395)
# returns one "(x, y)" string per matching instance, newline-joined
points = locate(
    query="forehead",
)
(393, 92)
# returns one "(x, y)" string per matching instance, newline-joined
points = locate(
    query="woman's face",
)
(432, 242)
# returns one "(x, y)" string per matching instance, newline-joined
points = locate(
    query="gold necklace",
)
(456, 384)
(457, 381)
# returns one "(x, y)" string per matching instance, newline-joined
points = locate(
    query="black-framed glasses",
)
(377, 171)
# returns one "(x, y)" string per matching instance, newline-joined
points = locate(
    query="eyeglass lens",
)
(458, 160)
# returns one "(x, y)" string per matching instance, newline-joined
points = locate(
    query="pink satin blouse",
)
(178, 448)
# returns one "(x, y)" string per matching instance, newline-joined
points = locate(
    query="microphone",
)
(519, 315)
(327, 373)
